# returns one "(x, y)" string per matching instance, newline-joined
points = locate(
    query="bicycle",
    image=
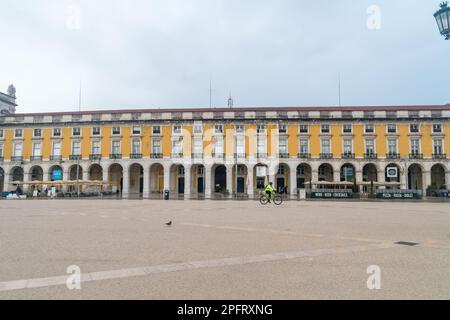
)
(276, 198)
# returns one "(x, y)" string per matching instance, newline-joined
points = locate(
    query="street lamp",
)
(443, 20)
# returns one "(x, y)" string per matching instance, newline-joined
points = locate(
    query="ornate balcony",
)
(136, 156)
(240, 156)
(178, 155)
(326, 156)
(261, 155)
(348, 155)
(17, 158)
(95, 157)
(115, 156)
(439, 156)
(75, 157)
(218, 155)
(156, 156)
(304, 156)
(416, 156)
(36, 158)
(55, 158)
(392, 156)
(283, 155)
(197, 155)
(370, 156)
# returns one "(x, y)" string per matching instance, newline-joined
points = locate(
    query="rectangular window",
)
(115, 147)
(177, 129)
(56, 149)
(260, 128)
(17, 150)
(96, 131)
(96, 147)
(18, 133)
(414, 128)
(136, 130)
(198, 128)
(325, 146)
(116, 131)
(283, 145)
(240, 146)
(392, 146)
(156, 146)
(37, 149)
(369, 128)
(218, 146)
(76, 148)
(240, 128)
(218, 129)
(304, 146)
(57, 132)
(136, 146)
(76, 132)
(37, 133)
(437, 128)
(177, 147)
(347, 128)
(437, 147)
(348, 146)
(392, 128)
(282, 129)
(156, 130)
(415, 146)
(325, 128)
(303, 128)
(198, 146)
(370, 146)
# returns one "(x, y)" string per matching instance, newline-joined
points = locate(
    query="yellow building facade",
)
(229, 152)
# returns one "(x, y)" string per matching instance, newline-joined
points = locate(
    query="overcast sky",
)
(162, 53)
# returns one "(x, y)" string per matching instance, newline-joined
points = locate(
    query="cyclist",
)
(270, 191)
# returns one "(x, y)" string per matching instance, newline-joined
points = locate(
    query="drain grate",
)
(406, 243)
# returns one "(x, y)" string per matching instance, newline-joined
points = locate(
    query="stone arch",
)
(304, 175)
(326, 172)
(415, 177)
(115, 173)
(438, 179)
(348, 172)
(136, 179)
(95, 172)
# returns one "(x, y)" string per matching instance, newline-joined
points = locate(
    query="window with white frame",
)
(304, 146)
(325, 128)
(282, 129)
(177, 129)
(156, 130)
(369, 128)
(37, 133)
(56, 149)
(136, 146)
(96, 131)
(325, 146)
(414, 128)
(347, 128)
(177, 147)
(136, 130)
(219, 145)
(392, 128)
(156, 146)
(283, 145)
(57, 132)
(369, 146)
(115, 147)
(76, 148)
(96, 148)
(414, 146)
(437, 147)
(198, 128)
(116, 131)
(348, 146)
(218, 129)
(260, 128)
(392, 146)
(240, 128)
(303, 128)
(437, 128)
(240, 146)
(198, 145)
(17, 152)
(76, 132)
(261, 145)
(37, 149)
(18, 133)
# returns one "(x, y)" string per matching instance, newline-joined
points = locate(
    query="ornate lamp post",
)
(443, 20)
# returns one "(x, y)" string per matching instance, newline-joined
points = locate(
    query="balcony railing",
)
(240, 156)
(416, 156)
(283, 155)
(439, 156)
(55, 158)
(178, 155)
(304, 155)
(156, 156)
(95, 157)
(115, 156)
(326, 156)
(348, 155)
(218, 155)
(370, 156)
(36, 158)
(197, 155)
(75, 157)
(136, 156)
(16, 158)
(261, 155)
(392, 156)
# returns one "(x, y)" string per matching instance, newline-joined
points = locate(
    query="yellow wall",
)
(86, 142)
(426, 142)
(358, 141)
(314, 140)
(381, 140)
(46, 143)
(106, 141)
(146, 141)
(166, 140)
(293, 140)
(8, 145)
(403, 140)
(27, 144)
(336, 140)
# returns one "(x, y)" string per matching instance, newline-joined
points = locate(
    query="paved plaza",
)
(223, 249)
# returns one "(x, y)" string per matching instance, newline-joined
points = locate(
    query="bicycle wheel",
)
(278, 200)
(264, 200)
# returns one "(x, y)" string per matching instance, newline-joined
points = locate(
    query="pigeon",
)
(169, 223)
